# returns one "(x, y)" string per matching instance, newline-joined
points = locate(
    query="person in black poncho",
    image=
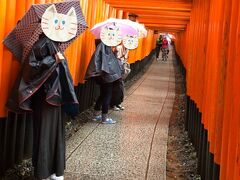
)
(45, 88)
(104, 67)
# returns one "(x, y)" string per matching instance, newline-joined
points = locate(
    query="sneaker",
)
(120, 107)
(54, 177)
(97, 118)
(116, 108)
(109, 121)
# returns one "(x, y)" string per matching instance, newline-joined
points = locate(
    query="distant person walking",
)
(164, 49)
(158, 46)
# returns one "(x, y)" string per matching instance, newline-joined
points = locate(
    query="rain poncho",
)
(41, 69)
(104, 64)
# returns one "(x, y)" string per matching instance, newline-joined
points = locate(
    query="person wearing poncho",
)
(45, 87)
(104, 67)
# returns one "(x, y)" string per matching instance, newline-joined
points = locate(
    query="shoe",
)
(97, 118)
(115, 108)
(120, 107)
(109, 121)
(54, 177)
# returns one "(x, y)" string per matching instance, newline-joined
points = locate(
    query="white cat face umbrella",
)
(57, 26)
(130, 42)
(111, 35)
(54, 20)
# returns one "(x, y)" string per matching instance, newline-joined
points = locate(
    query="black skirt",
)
(48, 137)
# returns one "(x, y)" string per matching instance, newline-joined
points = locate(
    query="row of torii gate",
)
(207, 43)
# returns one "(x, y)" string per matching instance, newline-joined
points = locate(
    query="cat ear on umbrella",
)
(51, 9)
(72, 12)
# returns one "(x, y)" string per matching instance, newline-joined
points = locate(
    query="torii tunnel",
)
(206, 36)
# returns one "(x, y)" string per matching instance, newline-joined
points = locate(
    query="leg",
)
(114, 98)
(117, 94)
(97, 108)
(107, 94)
(99, 101)
(163, 54)
(157, 52)
(121, 90)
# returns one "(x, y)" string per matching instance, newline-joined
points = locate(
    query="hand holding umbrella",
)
(59, 57)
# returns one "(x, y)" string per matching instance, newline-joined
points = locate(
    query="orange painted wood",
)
(7, 56)
(231, 121)
(159, 20)
(207, 40)
(160, 5)
(3, 6)
(236, 112)
(221, 91)
(212, 63)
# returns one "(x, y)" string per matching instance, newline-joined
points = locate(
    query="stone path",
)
(135, 147)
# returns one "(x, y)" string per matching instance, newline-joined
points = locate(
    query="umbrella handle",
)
(55, 48)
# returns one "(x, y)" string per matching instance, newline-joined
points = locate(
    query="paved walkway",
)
(135, 147)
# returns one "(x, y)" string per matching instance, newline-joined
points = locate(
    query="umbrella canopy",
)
(21, 39)
(141, 30)
(125, 28)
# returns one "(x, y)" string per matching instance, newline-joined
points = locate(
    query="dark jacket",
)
(42, 70)
(104, 64)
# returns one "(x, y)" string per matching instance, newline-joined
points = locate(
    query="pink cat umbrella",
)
(142, 32)
(21, 39)
(124, 27)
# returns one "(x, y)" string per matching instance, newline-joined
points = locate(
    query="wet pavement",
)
(136, 146)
